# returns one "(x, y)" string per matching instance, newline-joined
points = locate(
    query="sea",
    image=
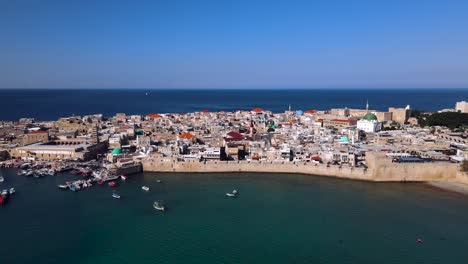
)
(277, 218)
(50, 104)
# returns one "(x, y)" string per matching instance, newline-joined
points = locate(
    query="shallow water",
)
(278, 218)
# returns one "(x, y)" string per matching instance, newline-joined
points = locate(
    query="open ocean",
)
(278, 218)
(51, 104)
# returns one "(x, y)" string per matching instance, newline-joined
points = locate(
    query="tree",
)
(451, 120)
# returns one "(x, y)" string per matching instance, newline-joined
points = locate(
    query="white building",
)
(461, 107)
(369, 123)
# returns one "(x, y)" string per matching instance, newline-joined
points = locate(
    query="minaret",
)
(367, 106)
(289, 107)
(251, 128)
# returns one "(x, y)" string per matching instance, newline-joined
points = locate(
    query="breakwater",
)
(380, 169)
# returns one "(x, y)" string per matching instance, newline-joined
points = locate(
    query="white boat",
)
(4, 192)
(62, 186)
(12, 190)
(116, 195)
(159, 206)
(145, 188)
(2, 179)
(234, 193)
(123, 177)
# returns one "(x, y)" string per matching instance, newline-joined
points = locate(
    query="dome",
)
(299, 112)
(116, 151)
(370, 117)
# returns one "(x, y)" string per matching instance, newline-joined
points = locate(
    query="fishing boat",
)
(12, 191)
(234, 193)
(116, 195)
(145, 188)
(111, 184)
(159, 206)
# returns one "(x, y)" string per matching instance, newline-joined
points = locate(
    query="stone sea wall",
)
(380, 169)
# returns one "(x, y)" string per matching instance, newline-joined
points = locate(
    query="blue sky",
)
(233, 44)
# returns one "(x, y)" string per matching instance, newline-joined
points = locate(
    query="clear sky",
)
(233, 44)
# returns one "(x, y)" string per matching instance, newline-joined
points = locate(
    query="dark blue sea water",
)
(52, 104)
(278, 218)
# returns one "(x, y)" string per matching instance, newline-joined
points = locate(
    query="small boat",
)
(2, 179)
(158, 181)
(74, 187)
(100, 182)
(116, 195)
(123, 177)
(234, 193)
(145, 188)
(111, 184)
(2, 200)
(159, 206)
(62, 186)
(12, 190)
(4, 193)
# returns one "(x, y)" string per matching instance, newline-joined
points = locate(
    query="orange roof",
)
(311, 111)
(153, 115)
(186, 135)
(258, 110)
(204, 111)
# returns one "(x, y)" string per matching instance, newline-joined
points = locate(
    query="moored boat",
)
(74, 187)
(116, 195)
(2, 179)
(234, 193)
(12, 190)
(123, 177)
(145, 188)
(112, 184)
(159, 206)
(62, 186)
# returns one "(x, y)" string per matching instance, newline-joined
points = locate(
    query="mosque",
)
(369, 122)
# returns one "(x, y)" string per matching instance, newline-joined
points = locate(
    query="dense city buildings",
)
(337, 137)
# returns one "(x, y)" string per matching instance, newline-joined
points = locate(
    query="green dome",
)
(116, 151)
(370, 117)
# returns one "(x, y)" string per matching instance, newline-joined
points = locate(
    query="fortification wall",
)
(380, 171)
(383, 169)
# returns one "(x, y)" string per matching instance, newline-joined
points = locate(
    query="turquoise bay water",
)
(278, 218)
